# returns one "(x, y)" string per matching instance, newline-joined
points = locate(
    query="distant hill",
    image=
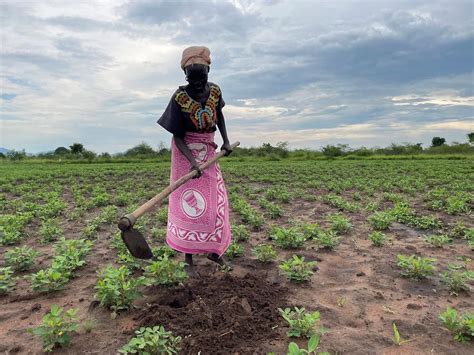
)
(4, 150)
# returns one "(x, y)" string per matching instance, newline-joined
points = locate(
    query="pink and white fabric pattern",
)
(198, 211)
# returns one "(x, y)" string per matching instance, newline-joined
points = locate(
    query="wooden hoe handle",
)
(129, 220)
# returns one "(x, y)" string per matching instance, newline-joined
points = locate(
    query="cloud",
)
(310, 73)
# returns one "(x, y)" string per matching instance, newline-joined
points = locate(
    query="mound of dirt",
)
(219, 314)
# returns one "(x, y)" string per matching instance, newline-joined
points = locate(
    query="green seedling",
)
(377, 238)
(461, 327)
(117, 289)
(155, 340)
(301, 323)
(265, 253)
(49, 280)
(7, 281)
(165, 272)
(313, 343)
(438, 241)
(20, 258)
(457, 278)
(339, 223)
(415, 267)
(234, 250)
(287, 238)
(240, 233)
(328, 239)
(56, 328)
(296, 269)
(397, 339)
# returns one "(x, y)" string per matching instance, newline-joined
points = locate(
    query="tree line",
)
(77, 151)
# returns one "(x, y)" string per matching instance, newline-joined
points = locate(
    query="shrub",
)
(20, 258)
(264, 253)
(297, 269)
(165, 272)
(56, 328)
(154, 340)
(301, 323)
(415, 267)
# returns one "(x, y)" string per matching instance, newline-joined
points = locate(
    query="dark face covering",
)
(196, 75)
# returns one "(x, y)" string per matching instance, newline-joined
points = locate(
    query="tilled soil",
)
(219, 314)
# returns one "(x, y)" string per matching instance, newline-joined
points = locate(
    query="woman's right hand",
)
(195, 166)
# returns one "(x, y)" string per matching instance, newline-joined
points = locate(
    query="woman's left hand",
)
(227, 148)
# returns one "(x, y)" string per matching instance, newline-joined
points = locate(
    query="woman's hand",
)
(195, 166)
(227, 148)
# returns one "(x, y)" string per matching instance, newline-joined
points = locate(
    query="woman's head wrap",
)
(195, 55)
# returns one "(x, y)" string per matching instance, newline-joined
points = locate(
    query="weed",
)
(456, 278)
(397, 339)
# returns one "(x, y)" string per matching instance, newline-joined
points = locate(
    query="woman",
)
(198, 211)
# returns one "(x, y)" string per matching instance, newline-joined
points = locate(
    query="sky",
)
(310, 73)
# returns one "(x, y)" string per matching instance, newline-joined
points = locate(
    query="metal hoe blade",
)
(136, 244)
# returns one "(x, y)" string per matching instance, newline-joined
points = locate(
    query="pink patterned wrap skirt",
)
(198, 211)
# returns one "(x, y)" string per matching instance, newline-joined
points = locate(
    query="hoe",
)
(132, 238)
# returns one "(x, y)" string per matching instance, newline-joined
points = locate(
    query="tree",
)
(141, 149)
(437, 141)
(471, 137)
(76, 148)
(16, 155)
(61, 151)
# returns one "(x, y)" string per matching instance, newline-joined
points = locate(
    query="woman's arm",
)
(187, 153)
(222, 129)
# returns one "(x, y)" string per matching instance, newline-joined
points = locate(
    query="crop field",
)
(368, 256)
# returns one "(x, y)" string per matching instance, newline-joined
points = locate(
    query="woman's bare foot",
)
(189, 268)
(219, 260)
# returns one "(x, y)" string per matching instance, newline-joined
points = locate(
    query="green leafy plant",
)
(49, 280)
(456, 278)
(301, 323)
(234, 250)
(50, 230)
(438, 241)
(116, 288)
(377, 238)
(163, 250)
(240, 233)
(380, 220)
(397, 339)
(7, 281)
(20, 258)
(313, 343)
(56, 328)
(461, 327)
(339, 223)
(165, 272)
(415, 267)
(264, 253)
(287, 238)
(155, 340)
(297, 269)
(162, 216)
(328, 239)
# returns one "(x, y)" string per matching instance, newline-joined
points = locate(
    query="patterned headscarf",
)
(195, 55)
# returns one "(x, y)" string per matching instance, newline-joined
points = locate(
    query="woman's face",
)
(196, 75)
